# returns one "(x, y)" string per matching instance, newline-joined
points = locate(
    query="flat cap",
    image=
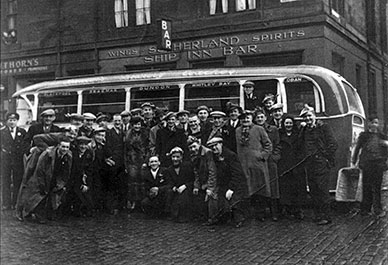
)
(191, 139)
(136, 111)
(125, 113)
(306, 110)
(203, 107)
(230, 106)
(102, 117)
(183, 112)
(89, 116)
(268, 97)
(169, 114)
(213, 141)
(248, 83)
(99, 129)
(76, 116)
(48, 112)
(176, 150)
(83, 139)
(12, 115)
(217, 114)
(147, 104)
(276, 106)
(246, 113)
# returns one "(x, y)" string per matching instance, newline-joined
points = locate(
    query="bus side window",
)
(161, 95)
(265, 87)
(214, 94)
(62, 102)
(299, 92)
(107, 101)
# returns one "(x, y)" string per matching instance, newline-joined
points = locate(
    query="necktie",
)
(13, 133)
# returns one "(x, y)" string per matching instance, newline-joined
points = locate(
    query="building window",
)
(121, 13)
(143, 12)
(242, 5)
(338, 63)
(371, 20)
(372, 100)
(11, 17)
(338, 7)
(218, 6)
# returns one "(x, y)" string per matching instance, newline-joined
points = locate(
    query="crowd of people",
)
(204, 165)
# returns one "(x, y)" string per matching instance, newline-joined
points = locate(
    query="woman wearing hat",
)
(136, 156)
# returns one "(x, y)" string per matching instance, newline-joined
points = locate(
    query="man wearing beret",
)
(318, 145)
(251, 101)
(12, 149)
(231, 183)
(46, 126)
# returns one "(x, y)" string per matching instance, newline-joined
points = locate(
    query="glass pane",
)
(62, 102)
(263, 87)
(107, 101)
(299, 92)
(214, 94)
(159, 95)
(354, 100)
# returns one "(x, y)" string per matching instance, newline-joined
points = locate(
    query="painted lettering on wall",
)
(23, 65)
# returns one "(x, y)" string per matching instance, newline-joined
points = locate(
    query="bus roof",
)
(177, 75)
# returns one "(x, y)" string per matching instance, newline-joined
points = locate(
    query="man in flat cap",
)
(13, 147)
(79, 197)
(180, 178)
(169, 137)
(277, 114)
(76, 119)
(251, 101)
(148, 114)
(229, 135)
(318, 145)
(87, 128)
(183, 117)
(102, 120)
(45, 126)
(217, 127)
(126, 118)
(231, 183)
(205, 190)
(268, 102)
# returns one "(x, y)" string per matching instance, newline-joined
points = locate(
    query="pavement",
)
(135, 239)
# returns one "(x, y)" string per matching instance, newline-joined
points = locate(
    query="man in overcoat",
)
(12, 150)
(253, 149)
(47, 186)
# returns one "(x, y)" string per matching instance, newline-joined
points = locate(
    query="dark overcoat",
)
(38, 186)
(253, 156)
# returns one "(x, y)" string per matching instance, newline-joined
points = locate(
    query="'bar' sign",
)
(164, 35)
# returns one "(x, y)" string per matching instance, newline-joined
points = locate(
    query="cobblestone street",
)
(123, 239)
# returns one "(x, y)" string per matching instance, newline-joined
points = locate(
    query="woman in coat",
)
(136, 156)
(253, 150)
(293, 183)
